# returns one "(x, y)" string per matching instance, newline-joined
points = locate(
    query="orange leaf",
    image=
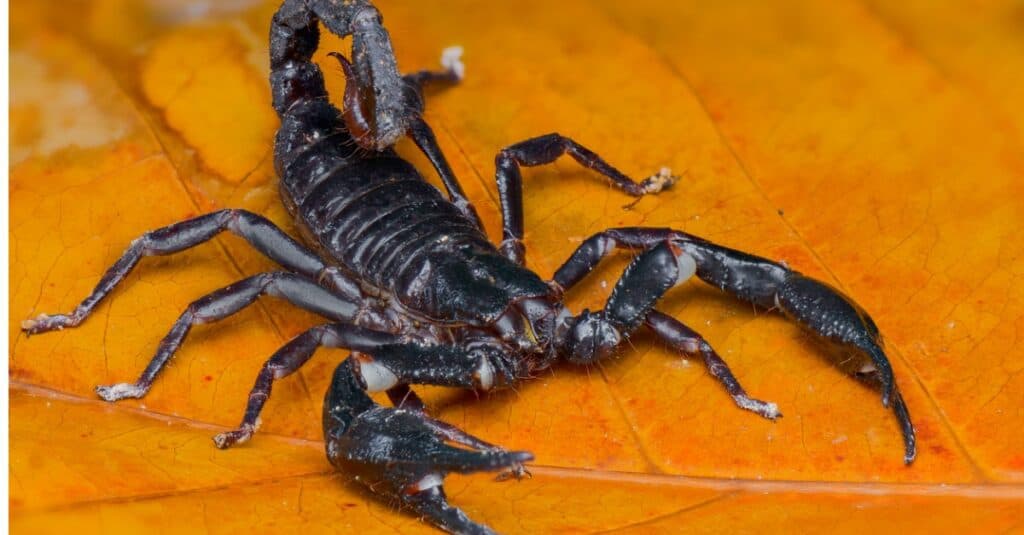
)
(852, 141)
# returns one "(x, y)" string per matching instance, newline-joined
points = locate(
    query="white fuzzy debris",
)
(768, 410)
(377, 376)
(451, 59)
(484, 375)
(660, 180)
(120, 391)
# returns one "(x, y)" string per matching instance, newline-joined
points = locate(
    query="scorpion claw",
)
(883, 372)
(432, 504)
(835, 317)
(119, 391)
(404, 455)
(909, 437)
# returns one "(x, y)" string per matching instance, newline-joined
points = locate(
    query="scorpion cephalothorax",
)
(414, 289)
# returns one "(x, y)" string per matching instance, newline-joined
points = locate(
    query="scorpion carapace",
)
(414, 289)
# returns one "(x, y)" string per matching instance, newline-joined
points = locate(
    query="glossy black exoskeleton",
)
(414, 289)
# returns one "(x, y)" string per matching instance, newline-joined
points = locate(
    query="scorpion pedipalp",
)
(404, 454)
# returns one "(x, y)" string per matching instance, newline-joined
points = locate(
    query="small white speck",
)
(451, 59)
(951, 325)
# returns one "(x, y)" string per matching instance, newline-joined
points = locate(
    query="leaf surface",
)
(851, 141)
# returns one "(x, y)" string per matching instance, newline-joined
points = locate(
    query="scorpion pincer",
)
(410, 284)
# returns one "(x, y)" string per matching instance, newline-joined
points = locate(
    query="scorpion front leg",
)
(257, 230)
(686, 340)
(670, 257)
(544, 150)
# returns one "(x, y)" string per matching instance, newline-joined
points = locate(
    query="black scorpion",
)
(414, 289)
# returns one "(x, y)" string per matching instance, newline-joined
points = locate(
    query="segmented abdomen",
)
(374, 214)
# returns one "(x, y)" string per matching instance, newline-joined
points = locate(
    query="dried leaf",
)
(853, 142)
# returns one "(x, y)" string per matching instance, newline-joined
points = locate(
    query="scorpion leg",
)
(257, 230)
(686, 340)
(225, 302)
(423, 136)
(385, 362)
(543, 150)
(404, 455)
(671, 256)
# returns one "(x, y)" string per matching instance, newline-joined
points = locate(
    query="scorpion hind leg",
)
(403, 454)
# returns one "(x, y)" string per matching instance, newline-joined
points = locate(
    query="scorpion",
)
(413, 288)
